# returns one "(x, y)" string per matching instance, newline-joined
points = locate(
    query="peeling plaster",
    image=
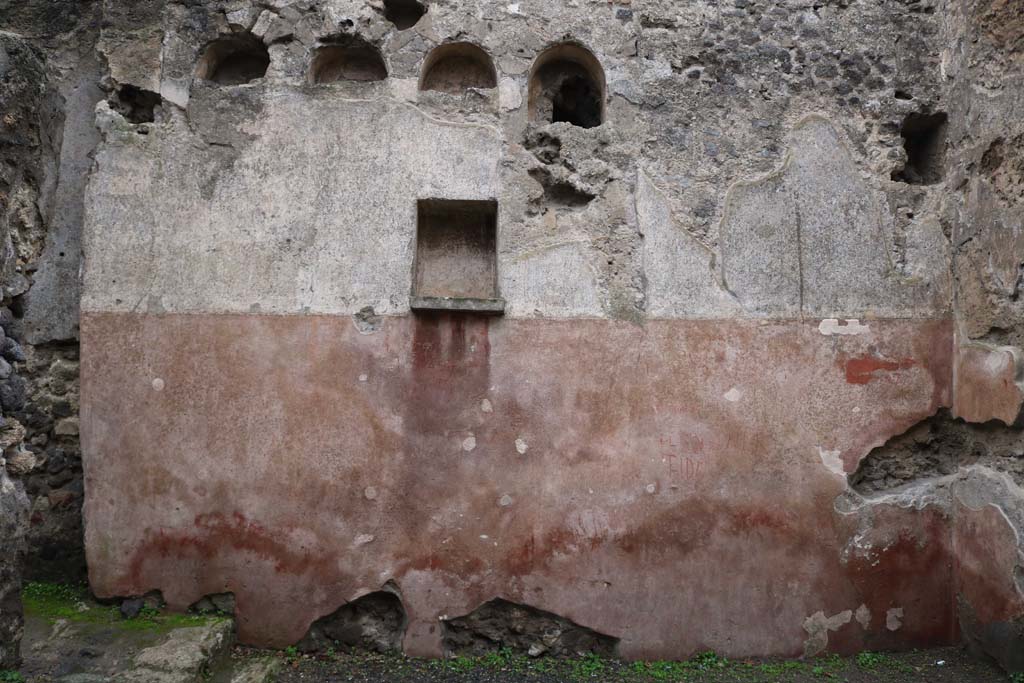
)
(818, 627)
(832, 326)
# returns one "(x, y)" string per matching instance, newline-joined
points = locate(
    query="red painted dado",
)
(671, 484)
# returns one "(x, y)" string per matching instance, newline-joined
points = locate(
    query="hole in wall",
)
(924, 141)
(375, 621)
(567, 85)
(456, 249)
(502, 624)
(456, 67)
(939, 446)
(234, 60)
(559, 192)
(354, 60)
(215, 603)
(135, 104)
(404, 14)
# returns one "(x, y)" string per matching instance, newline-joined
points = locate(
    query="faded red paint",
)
(989, 383)
(301, 464)
(862, 370)
(986, 555)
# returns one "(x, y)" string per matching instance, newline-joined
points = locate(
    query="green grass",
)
(1017, 677)
(10, 677)
(54, 601)
(587, 666)
(870, 660)
(705, 667)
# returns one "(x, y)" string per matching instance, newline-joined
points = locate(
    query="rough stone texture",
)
(30, 120)
(499, 624)
(374, 622)
(49, 83)
(938, 447)
(13, 522)
(984, 211)
(94, 649)
(55, 484)
(185, 656)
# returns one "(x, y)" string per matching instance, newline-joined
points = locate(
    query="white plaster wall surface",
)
(284, 198)
(317, 215)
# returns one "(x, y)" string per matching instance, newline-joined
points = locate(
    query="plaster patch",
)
(832, 326)
(818, 626)
(863, 616)
(158, 384)
(469, 443)
(832, 460)
(510, 94)
(733, 395)
(894, 618)
(485, 406)
(521, 446)
(505, 501)
(364, 539)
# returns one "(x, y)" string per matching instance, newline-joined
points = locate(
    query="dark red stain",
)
(986, 552)
(913, 569)
(211, 535)
(861, 370)
(537, 551)
(687, 528)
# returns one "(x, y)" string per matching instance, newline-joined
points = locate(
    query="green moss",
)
(7, 676)
(52, 601)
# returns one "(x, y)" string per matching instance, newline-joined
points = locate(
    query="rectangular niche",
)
(456, 263)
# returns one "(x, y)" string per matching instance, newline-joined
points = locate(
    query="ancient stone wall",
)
(759, 264)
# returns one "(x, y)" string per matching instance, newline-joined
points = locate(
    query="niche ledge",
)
(455, 303)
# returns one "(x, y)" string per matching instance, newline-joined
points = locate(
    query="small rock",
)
(61, 498)
(260, 671)
(12, 393)
(65, 369)
(131, 607)
(66, 427)
(11, 433)
(12, 351)
(21, 463)
(5, 369)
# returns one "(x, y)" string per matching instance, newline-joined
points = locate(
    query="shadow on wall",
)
(375, 621)
(404, 14)
(454, 68)
(351, 59)
(567, 84)
(501, 624)
(234, 60)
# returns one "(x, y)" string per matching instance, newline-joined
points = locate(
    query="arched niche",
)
(567, 84)
(233, 60)
(404, 14)
(350, 60)
(456, 67)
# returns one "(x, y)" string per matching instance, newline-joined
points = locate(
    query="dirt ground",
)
(944, 665)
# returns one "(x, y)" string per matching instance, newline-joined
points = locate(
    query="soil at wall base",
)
(957, 666)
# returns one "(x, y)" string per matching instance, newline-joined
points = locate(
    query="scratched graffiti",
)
(684, 455)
